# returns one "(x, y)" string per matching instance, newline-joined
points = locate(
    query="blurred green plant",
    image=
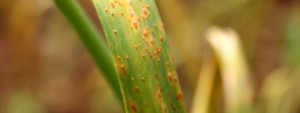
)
(92, 40)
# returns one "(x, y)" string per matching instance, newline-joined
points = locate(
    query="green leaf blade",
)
(145, 68)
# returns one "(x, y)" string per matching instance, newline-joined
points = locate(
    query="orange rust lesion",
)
(145, 12)
(146, 32)
(158, 60)
(152, 41)
(123, 68)
(161, 38)
(136, 46)
(112, 14)
(143, 79)
(133, 108)
(147, 6)
(131, 13)
(165, 110)
(154, 25)
(143, 55)
(172, 106)
(169, 93)
(156, 76)
(168, 64)
(157, 51)
(150, 54)
(175, 78)
(135, 24)
(118, 2)
(115, 31)
(130, 2)
(137, 89)
(119, 57)
(112, 4)
(170, 76)
(179, 96)
(105, 10)
(159, 95)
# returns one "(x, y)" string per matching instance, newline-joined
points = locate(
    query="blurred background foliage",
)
(252, 66)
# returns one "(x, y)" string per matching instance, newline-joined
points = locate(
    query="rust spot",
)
(151, 40)
(123, 69)
(131, 13)
(122, 13)
(161, 38)
(168, 64)
(156, 76)
(173, 58)
(118, 2)
(115, 31)
(170, 76)
(158, 60)
(156, 52)
(133, 108)
(175, 78)
(179, 96)
(119, 57)
(130, 2)
(150, 55)
(169, 93)
(105, 10)
(146, 33)
(155, 26)
(137, 89)
(112, 14)
(144, 17)
(127, 58)
(172, 106)
(112, 5)
(136, 46)
(147, 6)
(132, 78)
(143, 55)
(159, 50)
(135, 24)
(146, 13)
(143, 79)
(159, 96)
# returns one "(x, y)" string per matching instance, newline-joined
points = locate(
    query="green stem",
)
(92, 41)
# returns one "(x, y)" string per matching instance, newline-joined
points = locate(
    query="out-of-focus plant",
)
(206, 82)
(235, 81)
(234, 70)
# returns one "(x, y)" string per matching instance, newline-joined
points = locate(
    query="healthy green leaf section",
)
(141, 54)
(92, 41)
